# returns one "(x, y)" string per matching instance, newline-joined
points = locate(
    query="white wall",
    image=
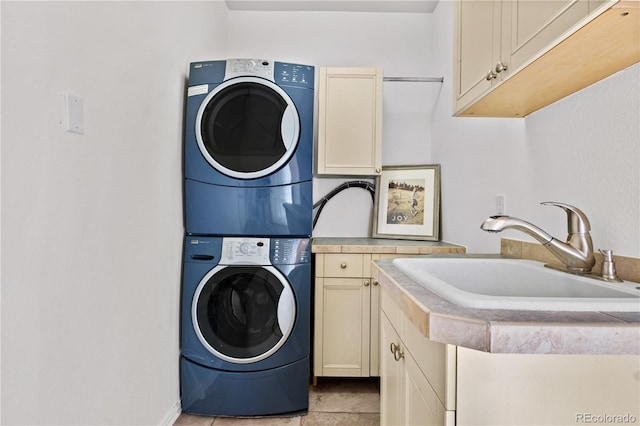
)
(583, 150)
(92, 223)
(398, 42)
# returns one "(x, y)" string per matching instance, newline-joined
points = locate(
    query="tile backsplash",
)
(628, 268)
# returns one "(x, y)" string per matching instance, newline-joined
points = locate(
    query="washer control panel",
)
(245, 251)
(265, 251)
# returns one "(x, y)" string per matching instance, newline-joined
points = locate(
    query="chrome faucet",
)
(576, 254)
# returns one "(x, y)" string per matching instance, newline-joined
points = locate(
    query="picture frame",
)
(407, 203)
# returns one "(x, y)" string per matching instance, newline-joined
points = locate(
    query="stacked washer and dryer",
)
(245, 310)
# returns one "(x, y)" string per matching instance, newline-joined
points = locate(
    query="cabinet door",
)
(529, 27)
(376, 307)
(374, 331)
(595, 4)
(477, 47)
(350, 121)
(345, 327)
(509, 389)
(422, 406)
(392, 398)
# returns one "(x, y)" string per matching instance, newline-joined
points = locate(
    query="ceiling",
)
(406, 6)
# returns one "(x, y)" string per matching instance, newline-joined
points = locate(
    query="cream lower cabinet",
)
(346, 338)
(417, 377)
(429, 383)
(533, 389)
(392, 376)
(346, 316)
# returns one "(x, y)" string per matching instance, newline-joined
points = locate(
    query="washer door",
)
(247, 128)
(243, 314)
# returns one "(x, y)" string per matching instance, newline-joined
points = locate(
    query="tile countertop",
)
(380, 245)
(511, 331)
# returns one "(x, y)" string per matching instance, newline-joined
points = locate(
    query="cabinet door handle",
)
(398, 354)
(491, 75)
(343, 265)
(366, 283)
(501, 66)
(393, 347)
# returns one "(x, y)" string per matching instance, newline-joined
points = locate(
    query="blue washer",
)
(245, 326)
(249, 138)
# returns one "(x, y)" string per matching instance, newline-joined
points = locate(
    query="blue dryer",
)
(248, 159)
(245, 326)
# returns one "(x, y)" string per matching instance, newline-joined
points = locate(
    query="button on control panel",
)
(290, 251)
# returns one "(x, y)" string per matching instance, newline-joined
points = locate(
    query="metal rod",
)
(415, 79)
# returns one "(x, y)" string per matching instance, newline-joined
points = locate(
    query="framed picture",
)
(407, 203)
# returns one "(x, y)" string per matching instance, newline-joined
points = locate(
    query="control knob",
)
(244, 248)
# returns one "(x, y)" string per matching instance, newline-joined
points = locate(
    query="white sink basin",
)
(495, 283)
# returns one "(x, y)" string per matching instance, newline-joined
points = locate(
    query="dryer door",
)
(247, 127)
(243, 314)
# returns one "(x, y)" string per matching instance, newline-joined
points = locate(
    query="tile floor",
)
(350, 402)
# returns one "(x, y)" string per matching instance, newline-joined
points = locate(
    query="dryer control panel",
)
(246, 67)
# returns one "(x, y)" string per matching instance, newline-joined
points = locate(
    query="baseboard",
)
(172, 415)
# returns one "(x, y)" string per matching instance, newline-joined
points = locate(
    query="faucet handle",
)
(577, 222)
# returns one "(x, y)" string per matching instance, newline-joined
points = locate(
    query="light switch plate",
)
(501, 207)
(74, 113)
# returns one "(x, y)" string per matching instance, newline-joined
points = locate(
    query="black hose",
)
(346, 185)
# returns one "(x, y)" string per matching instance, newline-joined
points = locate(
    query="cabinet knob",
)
(378, 170)
(343, 265)
(398, 354)
(366, 283)
(491, 75)
(501, 66)
(375, 282)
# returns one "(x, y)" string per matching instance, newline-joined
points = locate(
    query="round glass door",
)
(247, 127)
(243, 314)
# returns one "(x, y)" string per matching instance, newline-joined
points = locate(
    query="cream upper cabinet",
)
(477, 47)
(495, 37)
(529, 26)
(350, 121)
(513, 57)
